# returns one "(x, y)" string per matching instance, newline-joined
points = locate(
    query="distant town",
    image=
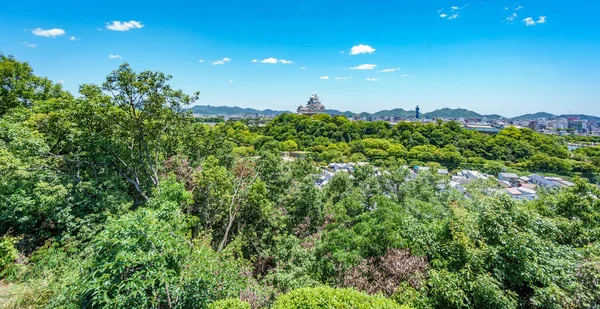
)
(539, 122)
(518, 187)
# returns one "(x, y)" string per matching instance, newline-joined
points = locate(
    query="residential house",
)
(543, 182)
(511, 178)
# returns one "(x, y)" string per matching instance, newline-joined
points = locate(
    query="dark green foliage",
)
(108, 200)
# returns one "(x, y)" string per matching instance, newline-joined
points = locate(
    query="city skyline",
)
(500, 57)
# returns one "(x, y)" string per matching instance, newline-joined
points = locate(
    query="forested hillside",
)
(116, 198)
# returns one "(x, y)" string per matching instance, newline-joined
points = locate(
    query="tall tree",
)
(144, 113)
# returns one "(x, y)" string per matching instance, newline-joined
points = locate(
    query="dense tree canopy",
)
(118, 198)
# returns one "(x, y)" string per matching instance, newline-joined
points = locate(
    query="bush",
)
(330, 298)
(230, 303)
(8, 253)
(143, 260)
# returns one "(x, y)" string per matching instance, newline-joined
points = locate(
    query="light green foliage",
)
(289, 146)
(330, 298)
(19, 87)
(230, 303)
(123, 201)
(8, 253)
(144, 259)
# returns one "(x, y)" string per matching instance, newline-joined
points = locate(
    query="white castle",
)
(313, 106)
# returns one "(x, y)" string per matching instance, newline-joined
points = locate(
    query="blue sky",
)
(489, 56)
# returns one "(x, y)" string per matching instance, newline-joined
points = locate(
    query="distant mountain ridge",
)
(550, 116)
(397, 112)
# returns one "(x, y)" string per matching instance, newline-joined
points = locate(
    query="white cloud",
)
(362, 49)
(343, 78)
(30, 45)
(201, 60)
(506, 8)
(510, 19)
(114, 57)
(324, 77)
(454, 8)
(123, 25)
(405, 75)
(219, 62)
(372, 79)
(529, 21)
(342, 52)
(269, 60)
(230, 81)
(303, 68)
(283, 61)
(50, 33)
(254, 61)
(389, 70)
(443, 15)
(364, 67)
(518, 8)
(454, 16)
(74, 39)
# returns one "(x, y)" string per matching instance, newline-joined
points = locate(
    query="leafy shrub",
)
(143, 260)
(330, 298)
(8, 253)
(230, 303)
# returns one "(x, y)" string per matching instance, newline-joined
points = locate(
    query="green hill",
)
(535, 116)
(550, 116)
(228, 110)
(448, 113)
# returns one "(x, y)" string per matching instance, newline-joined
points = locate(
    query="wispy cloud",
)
(50, 33)
(230, 81)
(519, 7)
(30, 45)
(272, 60)
(542, 20)
(531, 22)
(303, 68)
(364, 67)
(453, 14)
(114, 57)
(361, 49)
(124, 25)
(324, 77)
(220, 62)
(389, 70)
(74, 38)
(201, 60)
(510, 19)
(343, 78)
(269, 60)
(372, 79)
